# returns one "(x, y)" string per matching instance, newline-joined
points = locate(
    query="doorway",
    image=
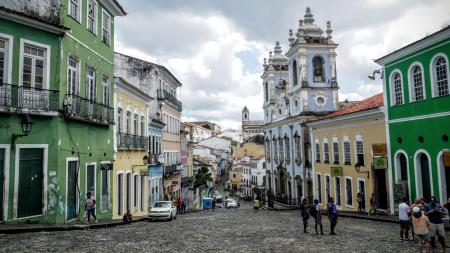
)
(72, 181)
(381, 191)
(424, 169)
(128, 192)
(30, 182)
(2, 179)
(362, 192)
(119, 194)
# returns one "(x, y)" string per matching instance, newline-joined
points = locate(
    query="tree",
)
(202, 177)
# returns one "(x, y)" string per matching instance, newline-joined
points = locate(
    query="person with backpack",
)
(316, 212)
(304, 213)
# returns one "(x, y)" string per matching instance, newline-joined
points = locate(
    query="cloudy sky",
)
(216, 47)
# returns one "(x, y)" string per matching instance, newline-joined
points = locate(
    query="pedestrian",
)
(179, 203)
(304, 214)
(421, 226)
(213, 203)
(127, 217)
(89, 206)
(359, 199)
(316, 212)
(435, 213)
(256, 205)
(403, 216)
(415, 204)
(447, 204)
(373, 205)
(183, 206)
(332, 215)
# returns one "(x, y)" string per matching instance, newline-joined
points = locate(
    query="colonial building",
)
(215, 129)
(56, 79)
(349, 154)
(130, 181)
(417, 98)
(298, 86)
(157, 81)
(198, 132)
(250, 127)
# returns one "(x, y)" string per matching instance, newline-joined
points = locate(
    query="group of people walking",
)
(426, 220)
(315, 210)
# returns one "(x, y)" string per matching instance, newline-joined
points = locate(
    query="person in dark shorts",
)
(403, 216)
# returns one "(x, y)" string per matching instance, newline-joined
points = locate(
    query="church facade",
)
(299, 86)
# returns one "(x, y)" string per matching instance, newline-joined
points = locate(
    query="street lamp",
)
(145, 159)
(26, 125)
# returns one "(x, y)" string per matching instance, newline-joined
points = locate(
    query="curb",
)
(369, 218)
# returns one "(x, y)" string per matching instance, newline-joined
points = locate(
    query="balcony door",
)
(32, 94)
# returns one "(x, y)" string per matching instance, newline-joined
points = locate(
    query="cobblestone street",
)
(220, 231)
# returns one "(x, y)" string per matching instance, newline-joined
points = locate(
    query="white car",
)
(163, 210)
(231, 203)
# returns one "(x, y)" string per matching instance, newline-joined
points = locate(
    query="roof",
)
(120, 7)
(417, 43)
(41, 20)
(366, 104)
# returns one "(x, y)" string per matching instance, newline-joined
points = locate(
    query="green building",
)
(417, 99)
(56, 108)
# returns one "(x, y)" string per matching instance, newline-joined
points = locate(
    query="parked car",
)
(231, 203)
(163, 210)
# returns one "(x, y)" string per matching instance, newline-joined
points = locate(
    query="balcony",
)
(169, 170)
(28, 100)
(78, 108)
(165, 96)
(131, 141)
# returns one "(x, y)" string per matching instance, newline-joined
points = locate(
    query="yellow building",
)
(253, 147)
(349, 150)
(130, 180)
(235, 177)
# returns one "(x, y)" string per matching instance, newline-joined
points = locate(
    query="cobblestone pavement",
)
(239, 230)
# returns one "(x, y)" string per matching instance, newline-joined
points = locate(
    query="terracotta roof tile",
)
(366, 104)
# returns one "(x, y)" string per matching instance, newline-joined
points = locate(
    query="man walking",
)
(304, 214)
(403, 216)
(332, 215)
(316, 213)
(435, 212)
(89, 206)
(373, 205)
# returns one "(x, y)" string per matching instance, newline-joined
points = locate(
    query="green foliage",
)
(202, 177)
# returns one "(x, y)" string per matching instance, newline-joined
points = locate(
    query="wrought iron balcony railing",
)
(170, 170)
(164, 95)
(131, 141)
(22, 99)
(78, 108)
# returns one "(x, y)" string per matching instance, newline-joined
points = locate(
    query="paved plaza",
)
(221, 230)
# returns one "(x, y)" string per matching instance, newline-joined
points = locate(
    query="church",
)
(299, 85)
(250, 127)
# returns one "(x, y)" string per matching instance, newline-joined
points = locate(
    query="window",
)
(135, 124)
(33, 68)
(335, 152)
(288, 151)
(318, 69)
(294, 73)
(90, 83)
(142, 192)
(397, 91)
(73, 76)
(337, 190)
(359, 153)
(347, 156)
(4, 61)
(298, 149)
(119, 119)
(268, 150)
(74, 9)
(106, 28)
(440, 76)
(105, 90)
(327, 188)
(275, 150)
(92, 16)
(319, 188)
(120, 193)
(142, 126)
(280, 144)
(326, 152)
(416, 79)
(266, 86)
(105, 190)
(128, 122)
(317, 152)
(348, 191)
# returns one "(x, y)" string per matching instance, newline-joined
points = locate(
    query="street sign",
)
(379, 163)
(336, 171)
(379, 149)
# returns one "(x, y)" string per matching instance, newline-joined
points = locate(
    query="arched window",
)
(267, 91)
(397, 89)
(416, 81)
(268, 150)
(280, 145)
(318, 69)
(275, 150)
(440, 76)
(298, 155)
(288, 151)
(294, 73)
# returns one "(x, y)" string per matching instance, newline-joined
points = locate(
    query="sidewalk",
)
(27, 228)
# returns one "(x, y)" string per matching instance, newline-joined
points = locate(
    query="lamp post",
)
(26, 125)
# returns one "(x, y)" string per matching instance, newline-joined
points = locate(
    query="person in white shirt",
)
(90, 207)
(403, 215)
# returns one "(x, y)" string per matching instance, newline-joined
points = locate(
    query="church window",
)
(317, 151)
(296, 103)
(318, 69)
(416, 82)
(280, 144)
(288, 152)
(268, 150)
(397, 89)
(275, 150)
(440, 75)
(267, 91)
(320, 101)
(294, 73)
(298, 155)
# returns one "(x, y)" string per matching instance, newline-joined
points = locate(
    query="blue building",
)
(155, 168)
